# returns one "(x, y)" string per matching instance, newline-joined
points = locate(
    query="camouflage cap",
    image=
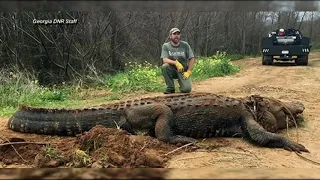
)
(174, 30)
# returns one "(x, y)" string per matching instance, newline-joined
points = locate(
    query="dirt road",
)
(282, 81)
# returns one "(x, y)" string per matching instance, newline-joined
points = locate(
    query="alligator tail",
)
(63, 122)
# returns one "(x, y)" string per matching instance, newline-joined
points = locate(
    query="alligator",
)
(175, 118)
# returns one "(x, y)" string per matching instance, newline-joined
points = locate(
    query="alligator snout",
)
(295, 107)
(295, 117)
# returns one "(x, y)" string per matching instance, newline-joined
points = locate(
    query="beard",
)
(175, 40)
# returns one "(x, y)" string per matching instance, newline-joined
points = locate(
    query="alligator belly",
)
(203, 126)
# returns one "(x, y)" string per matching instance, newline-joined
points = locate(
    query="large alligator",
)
(177, 118)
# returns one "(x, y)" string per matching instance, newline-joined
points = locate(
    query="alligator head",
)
(274, 114)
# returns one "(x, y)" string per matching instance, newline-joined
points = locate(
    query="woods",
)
(102, 42)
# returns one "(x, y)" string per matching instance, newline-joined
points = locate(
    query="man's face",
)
(175, 37)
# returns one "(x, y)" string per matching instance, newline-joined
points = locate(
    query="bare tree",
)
(101, 42)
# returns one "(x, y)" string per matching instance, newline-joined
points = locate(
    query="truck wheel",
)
(267, 60)
(302, 60)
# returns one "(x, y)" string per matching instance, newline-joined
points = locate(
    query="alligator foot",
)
(290, 146)
(178, 139)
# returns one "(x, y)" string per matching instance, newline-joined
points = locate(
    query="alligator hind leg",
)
(257, 134)
(156, 116)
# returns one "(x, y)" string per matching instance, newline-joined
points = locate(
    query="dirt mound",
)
(100, 147)
(17, 153)
(108, 147)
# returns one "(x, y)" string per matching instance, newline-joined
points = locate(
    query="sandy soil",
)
(227, 157)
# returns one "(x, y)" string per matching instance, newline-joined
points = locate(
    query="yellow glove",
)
(187, 74)
(179, 66)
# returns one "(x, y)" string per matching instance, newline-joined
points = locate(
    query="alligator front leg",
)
(156, 117)
(260, 136)
(164, 132)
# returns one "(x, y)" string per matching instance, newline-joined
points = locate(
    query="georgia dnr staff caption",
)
(54, 21)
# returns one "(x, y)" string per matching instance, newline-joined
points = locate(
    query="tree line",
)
(102, 42)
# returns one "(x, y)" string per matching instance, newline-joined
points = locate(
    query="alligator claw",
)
(296, 148)
(178, 139)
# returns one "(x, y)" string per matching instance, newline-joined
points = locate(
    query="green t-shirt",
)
(183, 53)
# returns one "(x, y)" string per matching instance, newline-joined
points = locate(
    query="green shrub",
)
(315, 48)
(20, 88)
(137, 77)
(146, 77)
(217, 65)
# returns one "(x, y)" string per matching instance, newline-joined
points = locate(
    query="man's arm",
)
(169, 61)
(165, 55)
(192, 61)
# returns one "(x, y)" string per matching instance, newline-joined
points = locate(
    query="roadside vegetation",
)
(21, 88)
(315, 48)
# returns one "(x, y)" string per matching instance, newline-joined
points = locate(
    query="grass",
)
(315, 48)
(81, 159)
(51, 153)
(217, 65)
(22, 88)
(137, 77)
(234, 57)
